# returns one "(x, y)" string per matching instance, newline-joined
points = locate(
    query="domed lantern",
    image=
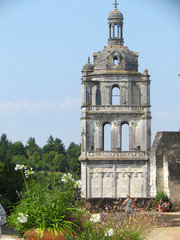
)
(115, 21)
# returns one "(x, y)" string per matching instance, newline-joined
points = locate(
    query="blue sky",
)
(44, 45)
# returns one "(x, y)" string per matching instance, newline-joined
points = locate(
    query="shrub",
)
(46, 207)
(161, 195)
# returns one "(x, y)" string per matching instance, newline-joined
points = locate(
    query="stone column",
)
(132, 136)
(114, 182)
(124, 95)
(84, 180)
(129, 175)
(145, 92)
(109, 31)
(148, 93)
(122, 32)
(98, 136)
(145, 177)
(90, 176)
(107, 100)
(101, 176)
(113, 30)
(83, 140)
(116, 136)
(117, 30)
(94, 95)
(84, 94)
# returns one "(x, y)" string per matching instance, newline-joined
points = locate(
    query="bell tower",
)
(115, 94)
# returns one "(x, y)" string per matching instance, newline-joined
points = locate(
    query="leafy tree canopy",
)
(51, 160)
(54, 145)
(72, 154)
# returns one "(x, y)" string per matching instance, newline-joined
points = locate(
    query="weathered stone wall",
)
(115, 179)
(165, 164)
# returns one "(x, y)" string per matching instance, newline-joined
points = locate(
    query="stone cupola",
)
(115, 21)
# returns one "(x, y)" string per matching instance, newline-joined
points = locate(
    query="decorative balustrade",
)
(115, 108)
(127, 155)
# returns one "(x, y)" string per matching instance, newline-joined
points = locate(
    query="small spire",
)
(88, 59)
(115, 4)
(145, 72)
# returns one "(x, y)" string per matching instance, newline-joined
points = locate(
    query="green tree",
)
(4, 146)
(54, 155)
(54, 145)
(17, 148)
(55, 162)
(72, 154)
(48, 159)
(34, 154)
(32, 148)
(60, 163)
(10, 181)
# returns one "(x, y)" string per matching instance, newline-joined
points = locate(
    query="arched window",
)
(115, 60)
(107, 137)
(125, 137)
(115, 30)
(115, 96)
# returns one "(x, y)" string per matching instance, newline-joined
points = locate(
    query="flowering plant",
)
(46, 207)
(95, 218)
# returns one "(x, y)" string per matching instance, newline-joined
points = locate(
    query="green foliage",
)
(73, 152)
(94, 231)
(55, 145)
(161, 196)
(10, 182)
(17, 148)
(128, 234)
(54, 162)
(4, 146)
(52, 158)
(46, 206)
(90, 231)
(34, 154)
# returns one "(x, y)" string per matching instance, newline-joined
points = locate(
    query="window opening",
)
(115, 31)
(125, 137)
(115, 60)
(138, 148)
(115, 96)
(107, 137)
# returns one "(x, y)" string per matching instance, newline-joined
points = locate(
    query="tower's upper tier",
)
(115, 58)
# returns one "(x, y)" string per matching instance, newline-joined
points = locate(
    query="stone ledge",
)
(105, 156)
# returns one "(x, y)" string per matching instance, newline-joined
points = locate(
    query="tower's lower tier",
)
(115, 179)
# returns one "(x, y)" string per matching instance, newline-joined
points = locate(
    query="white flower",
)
(22, 218)
(67, 177)
(78, 183)
(19, 167)
(95, 218)
(26, 171)
(109, 232)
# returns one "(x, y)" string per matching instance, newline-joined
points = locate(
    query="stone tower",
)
(114, 93)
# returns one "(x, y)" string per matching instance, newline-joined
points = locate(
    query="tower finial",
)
(115, 4)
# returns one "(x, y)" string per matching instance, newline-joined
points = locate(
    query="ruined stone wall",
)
(165, 164)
